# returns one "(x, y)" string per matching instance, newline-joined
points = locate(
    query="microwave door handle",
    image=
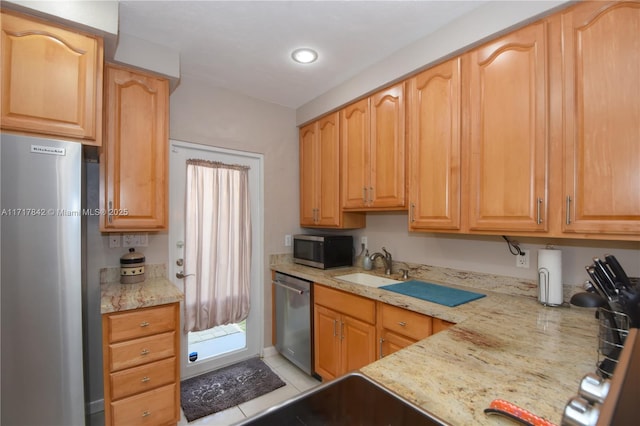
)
(296, 290)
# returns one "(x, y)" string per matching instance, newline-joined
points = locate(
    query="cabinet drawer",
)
(153, 408)
(141, 322)
(346, 303)
(391, 342)
(141, 351)
(407, 323)
(143, 378)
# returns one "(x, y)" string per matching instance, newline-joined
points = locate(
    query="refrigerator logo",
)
(51, 150)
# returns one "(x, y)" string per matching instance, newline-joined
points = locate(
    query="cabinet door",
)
(439, 325)
(134, 163)
(354, 128)
(326, 342)
(387, 186)
(391, 342)
(508, 132)
(308, 174)
(329, 171)
(51, 80)
(602, 117)
(358, 344)
(434, 144)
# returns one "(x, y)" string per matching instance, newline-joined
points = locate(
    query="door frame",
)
(255, 330)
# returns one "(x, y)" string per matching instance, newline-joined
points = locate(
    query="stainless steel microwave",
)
(323, 251)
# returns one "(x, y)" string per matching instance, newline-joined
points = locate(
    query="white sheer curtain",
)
(217, 245)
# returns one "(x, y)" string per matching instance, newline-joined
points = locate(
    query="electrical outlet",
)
(114, 241)
(287, 240)
(522, 260)
(363, 242)
(129, 240)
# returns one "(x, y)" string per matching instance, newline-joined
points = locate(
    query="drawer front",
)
(391, 342)
(154, 408)
(141, 322)
(407, 323)
(346, 303)
(143, 378)
(141, 351)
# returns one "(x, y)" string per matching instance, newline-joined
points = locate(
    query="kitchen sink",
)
(349, 400)
(367, 279)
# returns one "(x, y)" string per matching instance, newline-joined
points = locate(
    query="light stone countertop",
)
(155, 290)
(505, 345)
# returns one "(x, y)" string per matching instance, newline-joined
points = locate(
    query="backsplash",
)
(478, 280)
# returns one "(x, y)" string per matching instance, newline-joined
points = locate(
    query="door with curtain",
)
(216, 254)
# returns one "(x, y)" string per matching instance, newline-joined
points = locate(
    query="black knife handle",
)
(605, 274)
(618, 271)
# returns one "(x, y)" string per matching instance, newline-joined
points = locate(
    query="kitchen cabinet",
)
(601, 60)
(344, 332)
(134, 160)
(51, 79)
(140, 366)
(438, 325)
(373, 152)
(399, 328)
(508, 143)
(434, 133)
(320, 204)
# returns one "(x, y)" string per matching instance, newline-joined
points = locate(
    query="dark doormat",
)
(221, 389)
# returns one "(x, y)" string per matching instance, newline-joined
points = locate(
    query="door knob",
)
(180, 275)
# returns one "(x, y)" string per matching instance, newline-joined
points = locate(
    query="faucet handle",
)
(405, 273)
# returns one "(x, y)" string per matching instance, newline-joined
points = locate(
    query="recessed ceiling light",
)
(304, 55)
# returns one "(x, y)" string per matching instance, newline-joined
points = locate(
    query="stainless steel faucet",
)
(386, 258)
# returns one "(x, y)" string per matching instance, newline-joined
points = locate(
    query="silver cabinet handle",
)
(539, 204)
(145, 379)
(109, 216)
(335, 333)
(341, 331)
(371, 195)
(295, 290)
(568, 218)
(144, 352)
(381, 341)
(146, 413)
(413, 212)
(364, 194)
(144, 324)
(402, 323)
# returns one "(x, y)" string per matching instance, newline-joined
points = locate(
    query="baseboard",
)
(93, 407)
(269, 351)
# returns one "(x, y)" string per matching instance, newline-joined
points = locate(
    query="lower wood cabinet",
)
(141, 369)
(344, 332)
(351, 331)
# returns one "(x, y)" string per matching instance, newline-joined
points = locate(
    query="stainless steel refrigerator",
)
(41, 287)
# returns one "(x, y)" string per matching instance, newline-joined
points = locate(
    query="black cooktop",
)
(350, 401)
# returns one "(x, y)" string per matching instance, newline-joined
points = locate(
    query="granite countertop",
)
(505, 345)
(155, 290)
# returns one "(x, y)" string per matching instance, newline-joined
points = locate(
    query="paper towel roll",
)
(550, 277)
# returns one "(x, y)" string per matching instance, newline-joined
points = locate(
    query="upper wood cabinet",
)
(508, 141)
(134, 162)
(320, 177)
(373, 152)
(602, 118)
(434, 117)
(51, 79)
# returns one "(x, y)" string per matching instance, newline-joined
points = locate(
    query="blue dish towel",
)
(435, 293)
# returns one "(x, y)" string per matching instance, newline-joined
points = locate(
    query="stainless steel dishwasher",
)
(294, 325)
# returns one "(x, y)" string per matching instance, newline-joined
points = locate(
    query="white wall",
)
(488, 253)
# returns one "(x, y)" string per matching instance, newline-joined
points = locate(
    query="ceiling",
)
(245, 46)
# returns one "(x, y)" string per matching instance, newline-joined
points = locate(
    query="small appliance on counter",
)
(323, 251)
(132, 267)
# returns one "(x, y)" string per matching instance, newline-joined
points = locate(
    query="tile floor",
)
(296, 382)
